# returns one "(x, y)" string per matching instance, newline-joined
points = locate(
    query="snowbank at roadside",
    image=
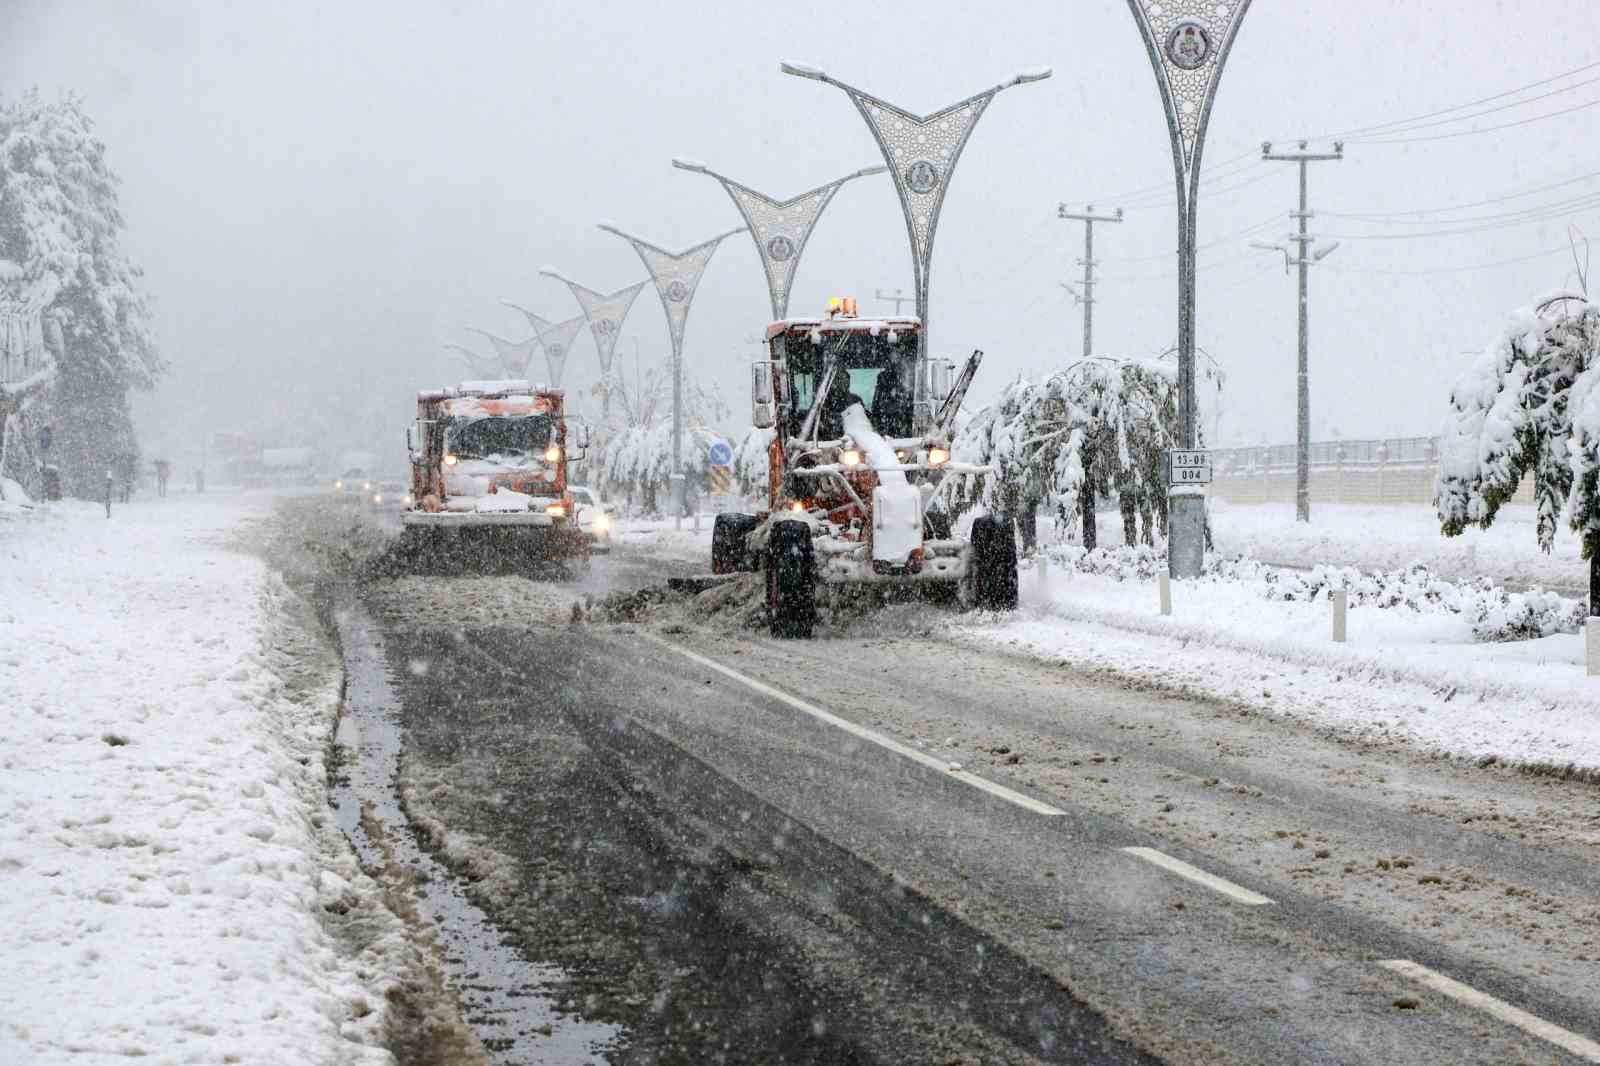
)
(168, 887)
(658, 536)
(1414, 676)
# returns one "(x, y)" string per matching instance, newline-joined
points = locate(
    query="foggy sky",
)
(323, 194)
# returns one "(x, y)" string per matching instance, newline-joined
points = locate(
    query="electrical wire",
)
(1402, 216)
(1533, 212)
(1199, 248)
(1449, 232)
(1210, 171)
(1547, 253)
(1389, 126)
(1483, 129)
(1476, 114)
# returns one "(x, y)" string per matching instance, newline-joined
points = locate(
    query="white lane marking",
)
(1580, 1046)
(1237, 893)
(945, 768)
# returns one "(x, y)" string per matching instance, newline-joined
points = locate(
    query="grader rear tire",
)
(791, 581)
(994, 565)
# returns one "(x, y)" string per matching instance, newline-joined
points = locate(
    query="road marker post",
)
(1166, 592)
(1341, 605)
(1591, 645)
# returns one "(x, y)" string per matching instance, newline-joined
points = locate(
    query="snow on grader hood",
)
(861, 446)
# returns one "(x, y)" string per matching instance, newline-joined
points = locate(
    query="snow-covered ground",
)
(1392, 538)
(1405, 675)
(660, 536)
(170, 885)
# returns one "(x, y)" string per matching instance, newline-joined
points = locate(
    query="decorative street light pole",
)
(677, 275)
(1188, 42)
(605, 315)
(921, 151)
(514, 355)
(475, 363)
(555, 337)
(780, 228)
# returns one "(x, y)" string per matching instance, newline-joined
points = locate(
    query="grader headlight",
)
(938, 456)
(850, 457)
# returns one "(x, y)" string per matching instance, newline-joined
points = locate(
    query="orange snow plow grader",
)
(862, 442)
(489, 479)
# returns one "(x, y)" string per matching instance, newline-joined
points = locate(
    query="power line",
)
(1217, 242)
(1479, 114)
(1460, 107)
(1451, 232)
(1398, 216)
(1145, 190)
(1484, 129)
(1534, 212)
(1562, 250)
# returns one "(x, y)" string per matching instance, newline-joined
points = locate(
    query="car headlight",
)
(366, 486)
(338, 484)
(450, 460)
(377, 497)
(602, 522)
(406, 499)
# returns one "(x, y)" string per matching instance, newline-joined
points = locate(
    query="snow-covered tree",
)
(751, 462)
(635, 456)
(1098, 426)
(60, 232)
(1528, 406)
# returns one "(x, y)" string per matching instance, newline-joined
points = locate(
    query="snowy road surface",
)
(169, 890)
(737, 842)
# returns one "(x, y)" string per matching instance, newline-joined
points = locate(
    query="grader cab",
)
(863, 425)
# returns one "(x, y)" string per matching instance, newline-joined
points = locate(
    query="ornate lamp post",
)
(475, 363)
(921, 151)
(555, 337)
(677, 275)
(780, 228)
(514, 355)
(1188, 42)
(605, 315)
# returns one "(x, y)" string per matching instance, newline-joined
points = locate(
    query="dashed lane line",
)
(1581, 1046)
(1027, 803)
(1237, 893)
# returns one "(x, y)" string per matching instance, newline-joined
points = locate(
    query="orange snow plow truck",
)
(489, 476)
(862, 423)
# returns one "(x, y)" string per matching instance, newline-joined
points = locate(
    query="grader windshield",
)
(876, 372)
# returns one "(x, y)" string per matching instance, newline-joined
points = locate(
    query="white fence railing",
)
(1399, 470)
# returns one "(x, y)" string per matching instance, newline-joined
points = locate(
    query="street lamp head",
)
(1266, 147)
(1322, 253)
(690, 164)
(1119, 212)
(1032, 74)
(1303, 145)
(1338, 147)
(803, 70)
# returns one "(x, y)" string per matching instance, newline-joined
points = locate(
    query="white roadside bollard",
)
(1044, 575)
(1341, 605)
(1591, 645)
(1166, 592)
(697, 519)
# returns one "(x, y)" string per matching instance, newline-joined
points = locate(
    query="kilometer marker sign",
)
(1189, 467)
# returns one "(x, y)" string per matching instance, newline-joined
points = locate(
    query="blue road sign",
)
(720, 453)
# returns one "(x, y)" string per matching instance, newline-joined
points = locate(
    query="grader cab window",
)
(877, 374)
(499, 438)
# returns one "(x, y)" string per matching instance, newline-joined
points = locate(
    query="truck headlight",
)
(552, 454)
(450, 459)
(556, 510)
(377, 497)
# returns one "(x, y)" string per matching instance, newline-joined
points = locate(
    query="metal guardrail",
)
(1388, 451)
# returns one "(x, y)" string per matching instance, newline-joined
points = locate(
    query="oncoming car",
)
(596, 518)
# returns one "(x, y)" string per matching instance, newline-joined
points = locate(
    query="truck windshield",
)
(498, 438)
(879, 375)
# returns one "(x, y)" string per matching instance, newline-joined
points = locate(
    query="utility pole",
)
(1088, 218)
(1304, 258)
(897, 298)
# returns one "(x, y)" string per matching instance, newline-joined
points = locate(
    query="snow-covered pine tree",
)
(752, 462)
(1528, 405)
(60, 231)
(635, 460)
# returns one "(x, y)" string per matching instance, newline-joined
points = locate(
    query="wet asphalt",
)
(725, 879)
